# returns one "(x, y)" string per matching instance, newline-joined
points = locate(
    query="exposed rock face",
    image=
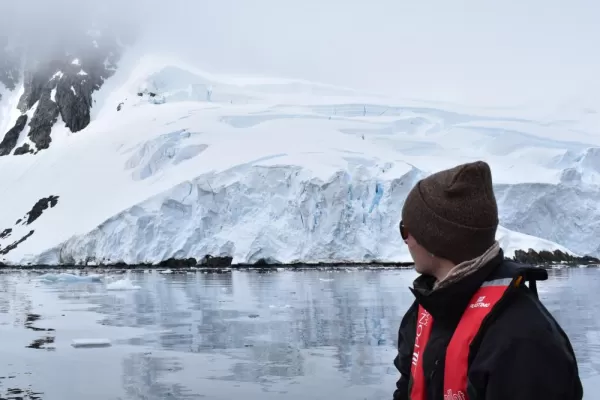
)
(211, 261)
(61, 84)
(547, 257)
(24, 149)
(42, 122)
(12, 136)
(36, 211)
(175, 263)
(39, 207)
(14, 245)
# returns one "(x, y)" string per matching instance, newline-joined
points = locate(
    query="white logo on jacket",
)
(480, 303)
(449, 395)
(423, 321)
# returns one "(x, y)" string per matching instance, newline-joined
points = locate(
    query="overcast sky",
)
(469, 51)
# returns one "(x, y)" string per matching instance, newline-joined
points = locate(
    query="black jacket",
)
(520, 353)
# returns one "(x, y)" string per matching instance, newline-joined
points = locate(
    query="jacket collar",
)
(447, 303)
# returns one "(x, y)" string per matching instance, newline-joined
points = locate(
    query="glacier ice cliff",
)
(277, 213)
(560, 213)
(270, 212)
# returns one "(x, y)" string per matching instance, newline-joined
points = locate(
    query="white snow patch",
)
(57, 75)
(73, 90)
(82, 72)
(53, 95)
(76, 62)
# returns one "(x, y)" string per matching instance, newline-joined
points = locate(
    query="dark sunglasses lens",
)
(403, 231)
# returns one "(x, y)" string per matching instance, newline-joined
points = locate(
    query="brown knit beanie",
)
(453, 213)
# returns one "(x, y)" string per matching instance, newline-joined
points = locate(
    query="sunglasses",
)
(403, 231)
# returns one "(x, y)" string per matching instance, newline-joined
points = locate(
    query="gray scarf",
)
(466, 268)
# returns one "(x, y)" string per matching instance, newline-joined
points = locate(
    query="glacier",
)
(284, 170)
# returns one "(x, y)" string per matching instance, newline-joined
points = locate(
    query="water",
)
(293, 335)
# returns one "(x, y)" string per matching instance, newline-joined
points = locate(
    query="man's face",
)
(425, 263)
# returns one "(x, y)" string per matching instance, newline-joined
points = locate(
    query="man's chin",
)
(420, 269)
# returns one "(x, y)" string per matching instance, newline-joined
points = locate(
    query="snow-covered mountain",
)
(178, 162)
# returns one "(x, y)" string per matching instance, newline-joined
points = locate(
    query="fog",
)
(479, 52)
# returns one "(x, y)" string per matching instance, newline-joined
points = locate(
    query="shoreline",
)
(241, 267)
(201, 267)
(544, 259)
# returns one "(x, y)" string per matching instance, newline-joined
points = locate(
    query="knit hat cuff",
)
(442, 237)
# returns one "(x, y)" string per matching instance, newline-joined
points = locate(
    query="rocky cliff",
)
(54, 88)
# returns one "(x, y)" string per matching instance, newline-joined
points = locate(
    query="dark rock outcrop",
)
(12, 136)
(39, 207)
(14, 245)
(36, 79)
(211, 261)
(266, 261)
(24, 149)
(35, 212)
(545, 257)
(43, 120)
(176, 263)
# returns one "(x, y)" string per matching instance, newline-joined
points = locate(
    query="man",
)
(475, 330)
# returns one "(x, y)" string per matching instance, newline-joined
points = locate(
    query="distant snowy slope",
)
(180, 163)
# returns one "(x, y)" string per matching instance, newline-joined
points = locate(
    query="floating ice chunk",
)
(122, 284)
(64, 277)
(90, 343)
(284, 306)
(168, 271)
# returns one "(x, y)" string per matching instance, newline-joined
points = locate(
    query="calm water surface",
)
(292, 335)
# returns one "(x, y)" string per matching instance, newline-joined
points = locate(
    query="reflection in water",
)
(573, 298)
(141, 378)
(305, 334)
